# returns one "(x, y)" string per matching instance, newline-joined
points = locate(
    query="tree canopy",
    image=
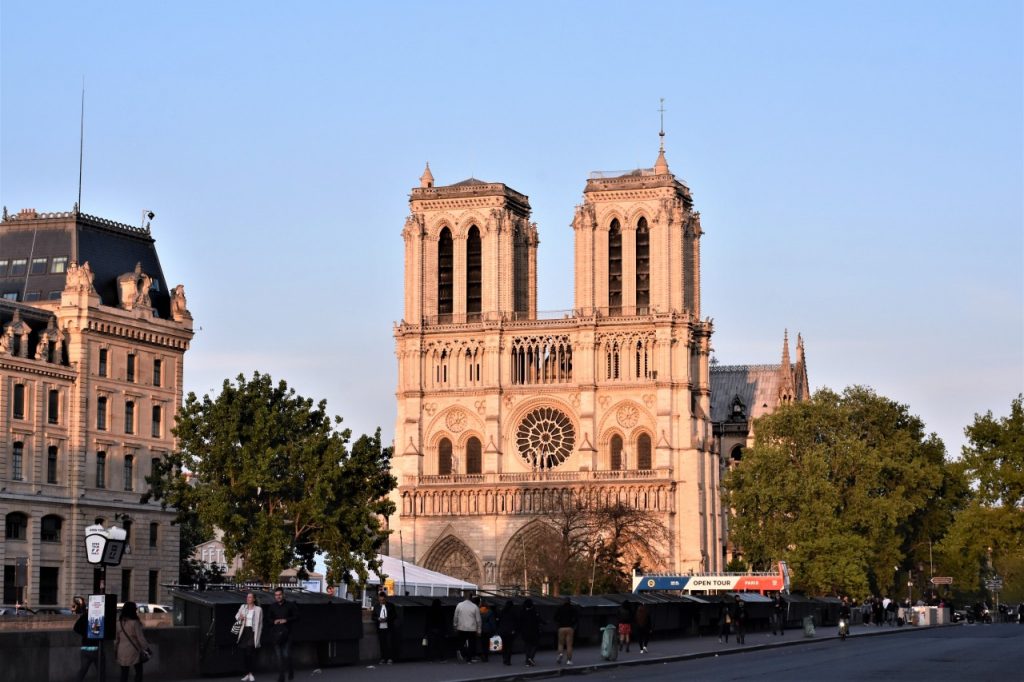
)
(846, 488)
(275, 475)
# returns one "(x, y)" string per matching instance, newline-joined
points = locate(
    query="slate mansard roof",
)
(110, 248)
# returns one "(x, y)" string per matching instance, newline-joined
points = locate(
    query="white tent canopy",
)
(402, 577)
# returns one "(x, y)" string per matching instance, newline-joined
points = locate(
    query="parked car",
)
(11, 611)
(150, 608)
(53, 611)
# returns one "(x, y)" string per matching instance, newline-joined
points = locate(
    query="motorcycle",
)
(844, 628)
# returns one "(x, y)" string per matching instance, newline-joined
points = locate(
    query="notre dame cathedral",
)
(504, 414)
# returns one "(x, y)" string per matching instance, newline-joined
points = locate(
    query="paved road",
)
(968, 652)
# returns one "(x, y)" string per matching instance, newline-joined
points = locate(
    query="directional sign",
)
(942, 580)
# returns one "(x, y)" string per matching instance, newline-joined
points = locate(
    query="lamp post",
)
(401, 549)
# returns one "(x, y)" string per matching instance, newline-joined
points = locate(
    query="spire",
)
(427, 179)
(785, 351)
(661, 165)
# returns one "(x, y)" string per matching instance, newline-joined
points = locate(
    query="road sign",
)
(942, 580)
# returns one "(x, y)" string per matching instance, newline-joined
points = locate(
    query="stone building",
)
(92, 344)
(505, 413)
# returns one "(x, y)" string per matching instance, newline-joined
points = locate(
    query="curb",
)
(675, 658)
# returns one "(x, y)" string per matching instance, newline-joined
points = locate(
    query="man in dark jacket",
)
(778, 615)
(508, 627)
(281, 614)
(566, 618)
(384, 618)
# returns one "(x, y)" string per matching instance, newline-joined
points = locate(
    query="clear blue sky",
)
(858, 167)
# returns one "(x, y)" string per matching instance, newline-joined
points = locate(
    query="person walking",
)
(435, 631)
(778, 615)
(488, 628)
(467, 626)
(250, 617)
(384, 615)
(625, 617)
(529, 630)
(282, 614)
(724, 623)
(642, 626)
(130, 642)
(89, 655)
(508, 628)
(740, 619)
(566, 619)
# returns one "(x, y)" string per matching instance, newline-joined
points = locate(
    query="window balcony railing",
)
(539, 476)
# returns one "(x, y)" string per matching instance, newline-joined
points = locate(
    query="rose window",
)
(545, 438)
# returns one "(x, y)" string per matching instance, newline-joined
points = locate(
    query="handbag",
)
(236, 629)
(144, 654)
(494, 643)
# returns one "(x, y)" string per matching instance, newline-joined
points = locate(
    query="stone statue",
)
(43, 349)
(79, 278)
(5, 344)
(133, 289)
(179, 305)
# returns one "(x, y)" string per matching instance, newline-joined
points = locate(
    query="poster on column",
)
(97, 613)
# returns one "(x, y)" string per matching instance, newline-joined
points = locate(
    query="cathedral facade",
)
(504, 414)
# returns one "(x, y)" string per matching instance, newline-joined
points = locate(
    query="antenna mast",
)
(81, 147)
(661, 133)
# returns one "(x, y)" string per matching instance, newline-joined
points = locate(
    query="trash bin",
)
(808, 626)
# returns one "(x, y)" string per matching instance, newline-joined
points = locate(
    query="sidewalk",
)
(586, 659)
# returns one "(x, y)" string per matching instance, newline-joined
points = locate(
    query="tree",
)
(840, 486)
(272, 472)
(987, 535)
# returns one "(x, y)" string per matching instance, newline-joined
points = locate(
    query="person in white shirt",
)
(384, 615)
(467, 626)
(250, 617)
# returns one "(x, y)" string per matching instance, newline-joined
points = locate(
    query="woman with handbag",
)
(249, 628)
(130, 645)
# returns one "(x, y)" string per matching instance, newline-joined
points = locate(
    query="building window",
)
(154, 534)
(19, 401)
(53, 296)
(52, 407)
(32, 295)
(103, 362)
(59, 265)
(18, 266)
(48, 583)
(158, 366)
(130, 371)
(126, 584)
(444, 457)
(101, 470)
(3, 267)
(38, 266)
(643, 267)
(129, 417)
(615, 461)
(16, 526)
(17, 457)
(129, 473)
(10, 296)
(614, 269)
(51, 464)
(126, 523)
(49, 528)
(154, 587)
(474, 463)
(445, 265)
(157, 425)
(474, 261)
(643, 452)
(101, 413)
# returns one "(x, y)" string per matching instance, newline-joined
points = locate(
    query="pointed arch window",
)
(444, 457)
(445, 264)
(474, 459)
(643, 267)
(474, 274)
(615, 460)
(614, 269)
(643, 452)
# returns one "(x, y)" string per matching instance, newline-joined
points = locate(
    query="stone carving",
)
(79, 278)
(509, 401)
(627, 415)
(456, 420)
(481, 406)
(604, 400)
(545, 438)
(574, 400)
(16, 336)
(430, 408)
(133, 288)
(649, 400)
(179, 305)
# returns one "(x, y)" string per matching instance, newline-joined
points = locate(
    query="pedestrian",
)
(435, 631)
(250, 617)
(778, 615)
(724, 623)
(529, 630)
(890, 612)
(467, 627)
(89, 649)
(877, 612)
(625, 618)
(642, 626)
(384, 615)
(282, 615)
(130, 642)
(508, 628)
(488, 628)
(740, 620)
(566, 619)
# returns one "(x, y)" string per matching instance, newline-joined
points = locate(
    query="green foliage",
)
(987, 535)
(840, 486)
(269, 469)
